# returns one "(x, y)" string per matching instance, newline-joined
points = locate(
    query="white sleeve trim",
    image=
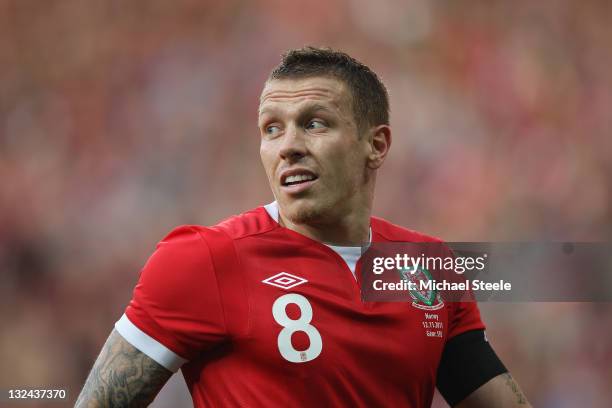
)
(148, 345)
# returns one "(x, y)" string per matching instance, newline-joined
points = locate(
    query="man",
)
(264, 309)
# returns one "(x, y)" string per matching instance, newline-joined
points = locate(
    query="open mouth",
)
(298, 179)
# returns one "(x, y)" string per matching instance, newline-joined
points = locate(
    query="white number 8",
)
(291, 326)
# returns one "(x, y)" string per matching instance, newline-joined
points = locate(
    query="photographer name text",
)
(443, 285)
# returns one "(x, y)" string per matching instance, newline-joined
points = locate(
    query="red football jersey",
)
(257, 315)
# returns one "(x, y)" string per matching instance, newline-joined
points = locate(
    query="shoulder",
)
(191, 252)
(252, 222)
(249, 223)
(384, 230)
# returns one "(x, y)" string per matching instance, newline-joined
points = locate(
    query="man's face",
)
(310, 148)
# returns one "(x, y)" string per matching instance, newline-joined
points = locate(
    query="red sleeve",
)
(176, 301)
(464, 317)
(464, 313)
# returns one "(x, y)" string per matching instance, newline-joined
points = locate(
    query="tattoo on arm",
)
(516, 390)
(122, 376)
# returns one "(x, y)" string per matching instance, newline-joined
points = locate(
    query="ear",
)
(380, 143)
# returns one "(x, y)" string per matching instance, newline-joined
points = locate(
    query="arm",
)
(172, 317)
(470, 375)
(501, 391)
(122, 376)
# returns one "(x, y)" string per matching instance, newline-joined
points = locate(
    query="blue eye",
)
(272, 129)
(315, 124)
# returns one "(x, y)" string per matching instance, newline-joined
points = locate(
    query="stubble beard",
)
(317, 212)
(313, 211)
(307, 213)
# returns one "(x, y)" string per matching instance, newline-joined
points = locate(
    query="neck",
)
(352, 229)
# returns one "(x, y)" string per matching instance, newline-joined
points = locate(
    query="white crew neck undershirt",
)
(350, 254)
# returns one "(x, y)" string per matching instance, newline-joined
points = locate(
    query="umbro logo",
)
(284, 280)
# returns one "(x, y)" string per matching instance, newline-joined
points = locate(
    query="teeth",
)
(298, 178)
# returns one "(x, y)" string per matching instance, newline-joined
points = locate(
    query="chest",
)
(306, 318)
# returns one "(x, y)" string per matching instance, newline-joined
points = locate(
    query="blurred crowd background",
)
(120, 120)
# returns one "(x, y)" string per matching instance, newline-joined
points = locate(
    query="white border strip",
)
(148, 345)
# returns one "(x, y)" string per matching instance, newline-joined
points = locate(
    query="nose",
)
(293, 146)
